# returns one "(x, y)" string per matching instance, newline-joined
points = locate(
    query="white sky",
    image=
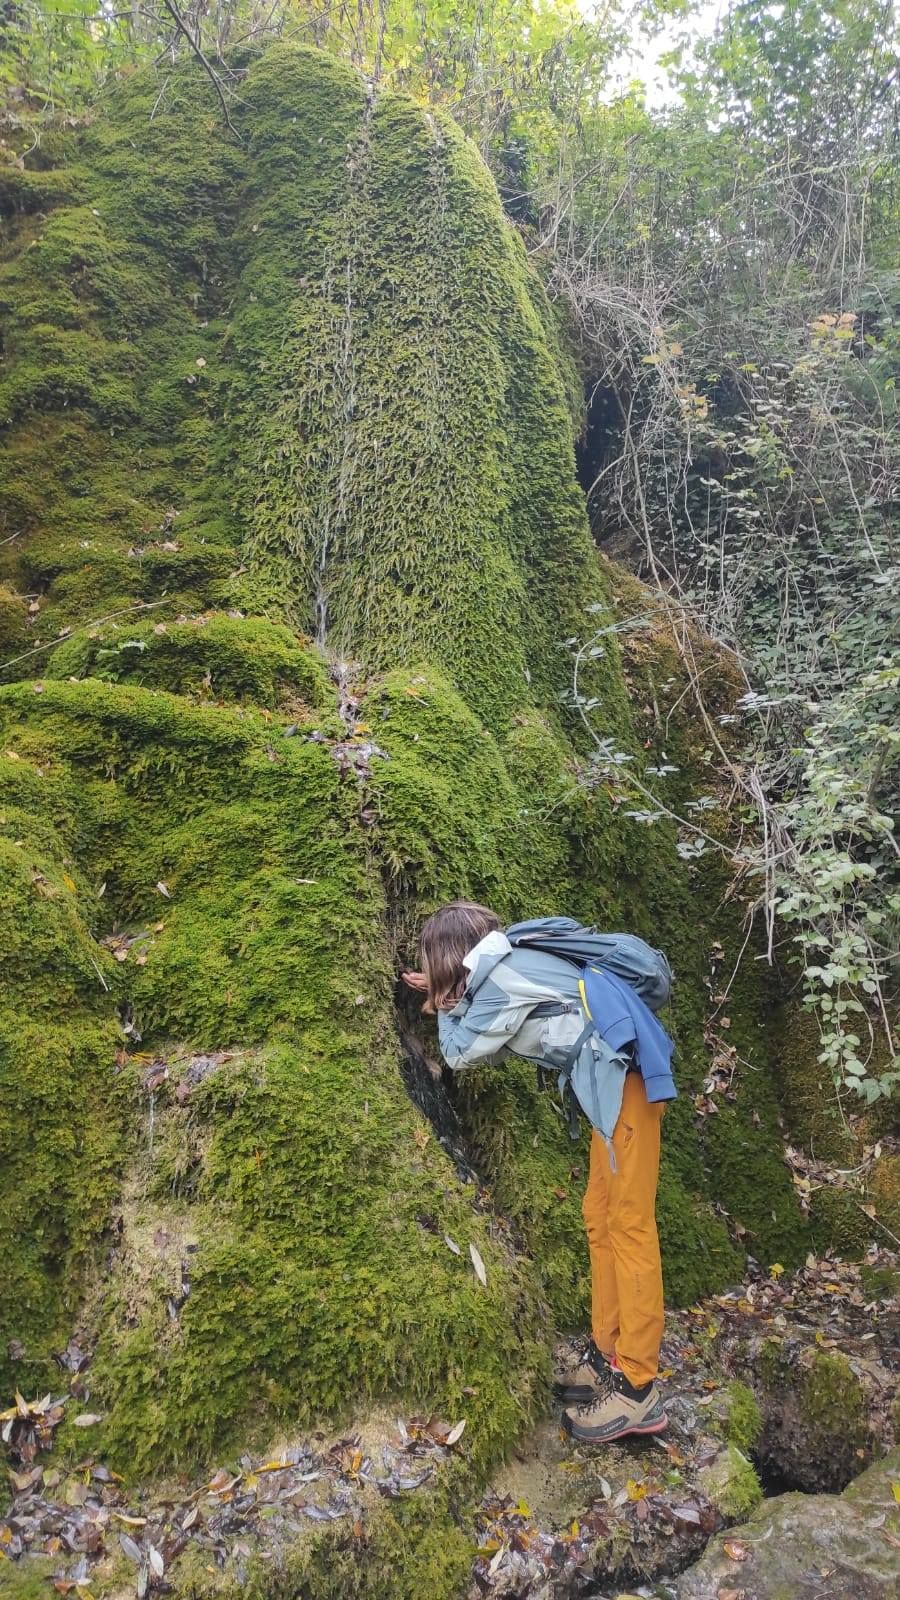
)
(642, 62)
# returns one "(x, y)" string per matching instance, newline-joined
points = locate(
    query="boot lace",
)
(605, 1383)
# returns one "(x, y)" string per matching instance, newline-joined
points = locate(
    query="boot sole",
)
(659, 1425)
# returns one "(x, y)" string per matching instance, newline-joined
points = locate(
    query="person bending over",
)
(569, 999)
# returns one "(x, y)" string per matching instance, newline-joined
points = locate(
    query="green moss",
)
(807, 1088)
(743, 1418)
(384, 510)
(768, 1363)
(403, 1552)
(310, 382)
(838, 1222)
(884, 1192)
(110, 300)
(732, 1484)
(698, 1256)
(26, 1580)
(314, 1283)
(879, 1283)
(60, 1121)
(13, 622)
(214, 657)
(832, 1398)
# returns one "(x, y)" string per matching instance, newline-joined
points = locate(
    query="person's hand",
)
(416, 980)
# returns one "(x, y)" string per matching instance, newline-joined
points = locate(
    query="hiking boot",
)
(619, 1410)
(585, 1379)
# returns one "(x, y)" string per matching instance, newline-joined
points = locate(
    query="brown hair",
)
(447, 937)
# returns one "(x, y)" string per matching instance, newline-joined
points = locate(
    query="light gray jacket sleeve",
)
(481, 1029)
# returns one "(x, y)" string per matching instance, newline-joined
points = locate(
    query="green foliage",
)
(836, 888)
(742, 445)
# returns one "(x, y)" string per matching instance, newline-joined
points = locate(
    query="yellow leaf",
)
(574, 1530)
(69, 882)
(776, 1269)
(634, 1490)
(895, 1491)
(523, 1510)
(651, 361)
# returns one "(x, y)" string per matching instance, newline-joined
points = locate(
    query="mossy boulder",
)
(817, 1429)
(731, 1483)
(832, 1546)
(288, 465)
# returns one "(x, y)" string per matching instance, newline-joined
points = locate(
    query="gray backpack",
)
(623, 954)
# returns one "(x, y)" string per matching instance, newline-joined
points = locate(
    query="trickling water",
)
(425, 1081)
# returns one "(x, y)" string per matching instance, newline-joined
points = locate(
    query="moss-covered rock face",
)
(293, 540)
(817, 1422)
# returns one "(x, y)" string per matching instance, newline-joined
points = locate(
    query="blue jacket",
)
(626, 1023)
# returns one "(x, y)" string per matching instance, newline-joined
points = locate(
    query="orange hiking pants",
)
(620, 1216)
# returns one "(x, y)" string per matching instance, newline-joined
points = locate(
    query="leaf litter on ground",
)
(78, 1514)
(83, 1513)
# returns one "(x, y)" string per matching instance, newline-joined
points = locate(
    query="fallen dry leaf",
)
(478, 1264)
(735, 1551)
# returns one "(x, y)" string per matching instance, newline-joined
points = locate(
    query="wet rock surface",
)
(809, 1547)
